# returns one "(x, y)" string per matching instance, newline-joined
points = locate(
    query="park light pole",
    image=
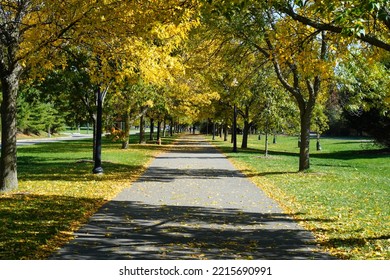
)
(98, 169)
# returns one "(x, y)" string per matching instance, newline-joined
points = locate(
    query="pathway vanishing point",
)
(191, 203)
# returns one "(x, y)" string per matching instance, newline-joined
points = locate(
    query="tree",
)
(36, 115)
(27, 29)
(33, 32)
(300, 55)
(363, 84)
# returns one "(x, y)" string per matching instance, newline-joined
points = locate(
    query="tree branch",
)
(335, 29)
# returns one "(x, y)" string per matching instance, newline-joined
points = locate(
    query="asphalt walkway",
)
(191, 203)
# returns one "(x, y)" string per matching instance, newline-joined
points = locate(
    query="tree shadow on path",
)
(134, 230)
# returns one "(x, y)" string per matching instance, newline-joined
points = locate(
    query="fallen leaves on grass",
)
(56, 195)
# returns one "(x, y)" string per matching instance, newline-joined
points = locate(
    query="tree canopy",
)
(272, 62)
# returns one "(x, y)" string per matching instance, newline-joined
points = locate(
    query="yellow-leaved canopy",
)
(33, 35)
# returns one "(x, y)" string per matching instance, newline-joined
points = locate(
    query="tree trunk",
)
(318, 145)
(125, 143)
(158, 130)
(245, 134)
(213, 125)
(8, 162)
(171, 129)
(225, 132)
(151, 129)
(142, 130)
(164, 126)
(266, 144)
(304, 155)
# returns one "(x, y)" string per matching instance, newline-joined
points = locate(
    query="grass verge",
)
(343, 198)
(58, 192)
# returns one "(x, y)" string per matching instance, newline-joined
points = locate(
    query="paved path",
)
(191, 203)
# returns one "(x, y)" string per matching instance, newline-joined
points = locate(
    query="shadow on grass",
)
(339, 155)
(53, 169)
(29, 222)
(352, 242)
(134, 230)
(354, 154)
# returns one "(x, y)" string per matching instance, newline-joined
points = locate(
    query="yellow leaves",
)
(149, 103)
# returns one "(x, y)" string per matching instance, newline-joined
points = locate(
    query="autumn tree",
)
(300, 56)
(27, 29)
(33, 32)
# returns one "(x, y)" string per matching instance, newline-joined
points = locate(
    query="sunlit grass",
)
(58, 192)
(343, 198)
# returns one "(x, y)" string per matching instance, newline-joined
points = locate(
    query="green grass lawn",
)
(343, 198)
(58, 192)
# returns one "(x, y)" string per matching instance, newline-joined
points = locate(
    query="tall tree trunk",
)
(304, 155)
(171, 128)
(8, 162)
(158, 130)
(142, 130)
(245, 133)
(213, 125)
(225, 132)
(151, 129)
(125, 143)
(164, 126)
(318, 145)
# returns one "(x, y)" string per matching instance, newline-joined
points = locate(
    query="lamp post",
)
(98, 149)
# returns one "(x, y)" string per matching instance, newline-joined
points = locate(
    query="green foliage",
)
(364, 95)
(70, 87)
(35, 116)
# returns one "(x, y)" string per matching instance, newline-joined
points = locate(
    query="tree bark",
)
(151, 129)
(245, 133)
(164, 126)
(304, 154)
(225, 132)
(213, 125)
(158, 130)
(171, 128)
(8, 162)
(142, 130)
(125, 143)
